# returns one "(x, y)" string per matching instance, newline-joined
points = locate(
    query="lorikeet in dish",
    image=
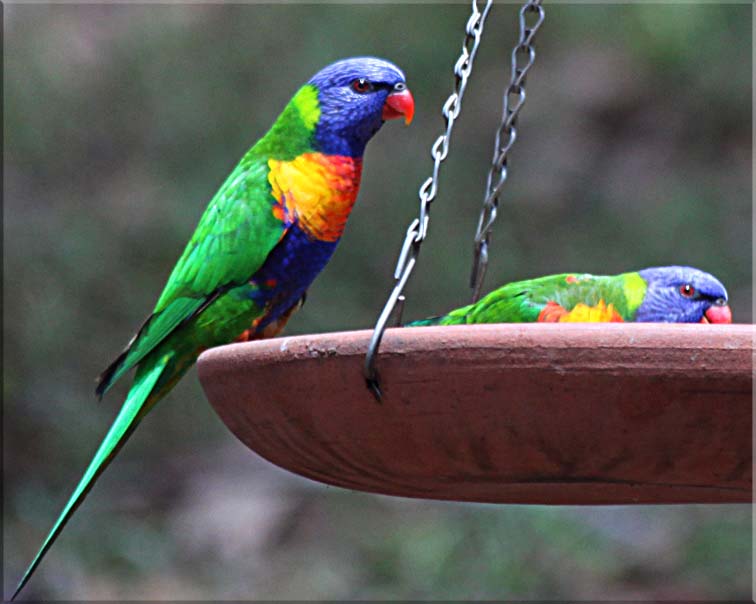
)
(665, 294)
(265, 235)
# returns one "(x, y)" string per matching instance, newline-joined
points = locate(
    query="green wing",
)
(232, 240)
(517, 302)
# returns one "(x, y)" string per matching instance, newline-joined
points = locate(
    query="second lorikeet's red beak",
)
(717, 314)
(399, 103)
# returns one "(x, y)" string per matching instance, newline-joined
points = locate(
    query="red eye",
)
(361, 85)
(687, 290)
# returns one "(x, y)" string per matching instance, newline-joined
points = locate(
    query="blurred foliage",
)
(121, 121)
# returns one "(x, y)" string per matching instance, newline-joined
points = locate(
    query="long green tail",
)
(425, 322)
(128, 419)
(457, 317)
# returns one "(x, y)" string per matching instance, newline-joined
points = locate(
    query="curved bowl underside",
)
(540, 413)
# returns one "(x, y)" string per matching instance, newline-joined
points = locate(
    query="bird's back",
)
(563, 297)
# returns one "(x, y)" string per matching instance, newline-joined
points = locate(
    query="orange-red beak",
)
(398, 104)
(717, 314)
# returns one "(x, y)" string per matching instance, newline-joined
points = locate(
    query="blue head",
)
(356, 96)
(681, 294)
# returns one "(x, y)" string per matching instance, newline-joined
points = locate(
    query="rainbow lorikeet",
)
(665, 294)
(266, 234)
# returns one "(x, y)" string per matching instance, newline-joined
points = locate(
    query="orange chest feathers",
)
(316, 191)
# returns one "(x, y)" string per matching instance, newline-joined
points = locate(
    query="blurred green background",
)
(120, 123)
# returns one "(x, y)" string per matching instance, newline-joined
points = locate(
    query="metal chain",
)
(505, 138)
(418, 228)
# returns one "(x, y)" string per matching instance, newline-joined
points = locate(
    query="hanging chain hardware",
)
(418, 228)
(505, 138)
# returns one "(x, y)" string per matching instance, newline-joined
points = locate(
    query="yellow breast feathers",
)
(316, 191)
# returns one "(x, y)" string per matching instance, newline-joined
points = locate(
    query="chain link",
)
(514, 98)
(418, 228)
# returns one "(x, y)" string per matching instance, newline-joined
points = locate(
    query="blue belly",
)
(288, 271)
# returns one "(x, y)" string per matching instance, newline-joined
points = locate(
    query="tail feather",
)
(127, 420)
(456, 317)
(426, 322)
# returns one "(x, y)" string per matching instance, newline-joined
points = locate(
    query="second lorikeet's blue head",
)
(681, 294)
(356, 96)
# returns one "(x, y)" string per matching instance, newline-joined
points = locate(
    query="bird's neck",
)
(307, 125)
(634, 288)
(331, 139)
(292, 134)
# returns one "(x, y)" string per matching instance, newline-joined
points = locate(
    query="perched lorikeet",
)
(266, 234)
(665, 294)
